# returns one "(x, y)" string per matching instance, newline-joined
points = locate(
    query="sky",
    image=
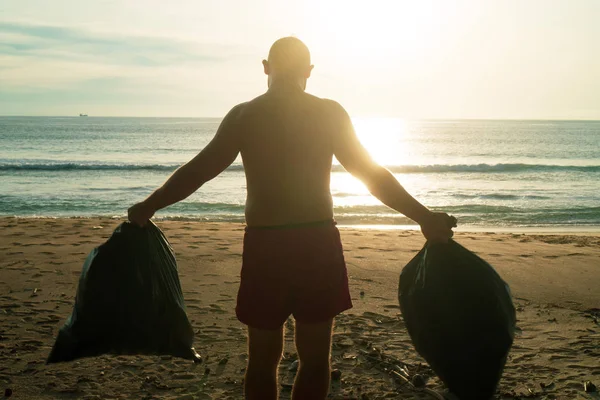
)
(438, 59)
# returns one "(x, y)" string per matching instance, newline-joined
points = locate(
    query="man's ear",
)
(308, 71)
(265, 64)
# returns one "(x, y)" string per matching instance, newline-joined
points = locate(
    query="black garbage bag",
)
(129, 301)
(459, 314)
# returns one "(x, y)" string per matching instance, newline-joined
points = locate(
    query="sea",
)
(501, 175)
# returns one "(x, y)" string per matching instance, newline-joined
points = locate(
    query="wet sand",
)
(555, 280)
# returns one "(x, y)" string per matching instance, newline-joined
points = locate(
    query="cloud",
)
(34, 56)
(55, 70)
(31, 40)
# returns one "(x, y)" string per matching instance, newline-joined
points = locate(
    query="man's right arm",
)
(381, 183)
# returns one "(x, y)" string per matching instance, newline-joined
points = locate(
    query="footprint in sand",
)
(215, 308)
(14, 263)
(380, 298)
(365, 279)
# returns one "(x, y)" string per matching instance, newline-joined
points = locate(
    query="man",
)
(292, 259)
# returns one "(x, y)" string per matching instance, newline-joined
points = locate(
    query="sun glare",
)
(386, 140)
(359, 32)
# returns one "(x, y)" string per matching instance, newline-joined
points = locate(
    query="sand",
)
(555, 280)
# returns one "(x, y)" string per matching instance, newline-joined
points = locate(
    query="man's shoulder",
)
(246, 106)
(321, 100)
(238, 108)
(236, 113)
(328, 105)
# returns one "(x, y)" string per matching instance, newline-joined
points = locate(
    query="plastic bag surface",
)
(459, 314)
(129, 301)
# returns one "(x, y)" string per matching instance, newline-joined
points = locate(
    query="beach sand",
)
(555, 281)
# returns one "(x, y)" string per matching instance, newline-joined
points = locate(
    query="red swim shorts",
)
(297, 270)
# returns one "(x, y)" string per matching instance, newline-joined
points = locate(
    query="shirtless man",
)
(293, 262)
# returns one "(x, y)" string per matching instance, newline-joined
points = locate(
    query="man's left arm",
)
(219, 154)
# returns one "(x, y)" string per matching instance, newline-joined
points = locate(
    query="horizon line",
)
(383, 117)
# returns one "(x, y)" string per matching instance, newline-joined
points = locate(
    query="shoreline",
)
(592, 230)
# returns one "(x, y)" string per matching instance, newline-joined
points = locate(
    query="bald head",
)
(289, 57)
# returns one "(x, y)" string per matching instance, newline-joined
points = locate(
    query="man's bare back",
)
(286, 142)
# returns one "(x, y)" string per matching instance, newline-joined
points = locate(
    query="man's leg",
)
(313, 343)
(264, 353)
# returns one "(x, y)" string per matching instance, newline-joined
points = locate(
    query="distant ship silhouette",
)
(83, 115)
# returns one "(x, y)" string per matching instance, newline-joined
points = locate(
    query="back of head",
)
(289, 56)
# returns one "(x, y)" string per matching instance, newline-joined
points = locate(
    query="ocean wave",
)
(70, 166)
(435, 168)
(499, 196)
(489, 168)
(483, 211)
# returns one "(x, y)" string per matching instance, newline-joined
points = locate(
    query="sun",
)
(377, 31)
(384, 139)
(387, 141)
